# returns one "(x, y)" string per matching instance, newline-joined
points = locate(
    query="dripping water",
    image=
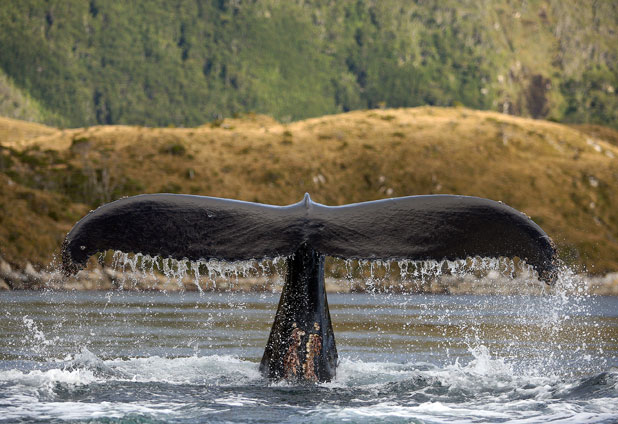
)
(402, 276)
(405, 351)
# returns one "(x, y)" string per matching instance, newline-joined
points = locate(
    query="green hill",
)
(14, 103)
(565, 178)
(183, 63)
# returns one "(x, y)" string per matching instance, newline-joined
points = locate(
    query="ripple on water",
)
(190, 357)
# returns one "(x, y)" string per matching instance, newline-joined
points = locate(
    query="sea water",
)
(118, 356)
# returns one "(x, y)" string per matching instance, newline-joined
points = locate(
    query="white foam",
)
(236, 400)
(355, 373)
(86, 411)
(48, 379)
(86, 368)
(215, 369)
(485, 389)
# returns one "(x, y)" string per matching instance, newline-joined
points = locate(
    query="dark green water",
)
(186, 357)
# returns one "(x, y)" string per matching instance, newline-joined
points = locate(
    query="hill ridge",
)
(562, 177)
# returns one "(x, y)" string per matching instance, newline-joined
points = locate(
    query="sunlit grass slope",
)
(565, 178)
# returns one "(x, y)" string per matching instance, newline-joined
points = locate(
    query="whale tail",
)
(301, 345)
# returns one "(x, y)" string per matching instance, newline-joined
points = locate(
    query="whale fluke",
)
(416, 227)
(301, 345)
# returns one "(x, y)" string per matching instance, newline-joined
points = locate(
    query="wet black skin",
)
(303, 306)
(416, 227)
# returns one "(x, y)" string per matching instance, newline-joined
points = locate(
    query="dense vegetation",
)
(160, 62)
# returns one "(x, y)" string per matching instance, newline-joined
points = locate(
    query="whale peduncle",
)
(301, 346)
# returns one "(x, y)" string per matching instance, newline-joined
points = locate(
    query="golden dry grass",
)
(13, 131)
(29, 229)
(565, 178)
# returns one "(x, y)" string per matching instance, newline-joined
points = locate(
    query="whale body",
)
(301, 346)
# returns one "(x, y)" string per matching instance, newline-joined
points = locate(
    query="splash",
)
(138, 271)
(550, 318)
(187, 356)
(472, 275)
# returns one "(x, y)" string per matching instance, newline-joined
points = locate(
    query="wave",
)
(485, 389)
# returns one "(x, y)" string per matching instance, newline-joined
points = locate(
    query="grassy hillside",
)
(183, 63)
(561, 176)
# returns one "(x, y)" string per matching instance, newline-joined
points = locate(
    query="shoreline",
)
(106, 279)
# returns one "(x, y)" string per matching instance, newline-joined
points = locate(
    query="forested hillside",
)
(160, 62)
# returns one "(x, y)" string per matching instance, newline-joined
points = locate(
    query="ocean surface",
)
(126, 357)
